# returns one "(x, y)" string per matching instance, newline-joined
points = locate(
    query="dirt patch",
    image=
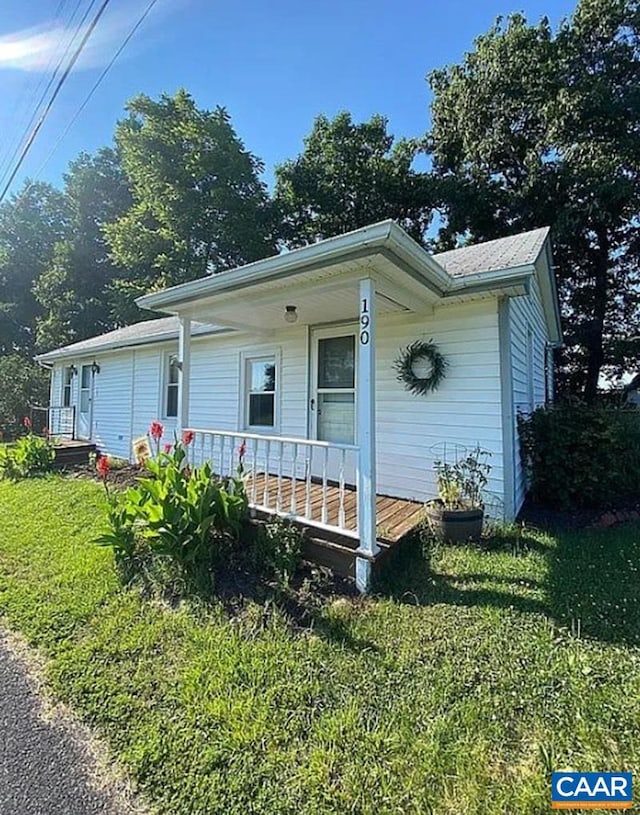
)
(120, 477)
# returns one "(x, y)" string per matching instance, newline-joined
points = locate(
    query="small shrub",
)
(28, 456)
(579, 455)
(279, 550)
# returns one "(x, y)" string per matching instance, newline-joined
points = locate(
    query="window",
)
(67, 385)
(336, 389)
(172, 374)
(85, 388)
(260, 385)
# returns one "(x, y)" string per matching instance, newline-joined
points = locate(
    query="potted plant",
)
(457, 515)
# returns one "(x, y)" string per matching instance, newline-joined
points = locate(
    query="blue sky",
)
(274, 65)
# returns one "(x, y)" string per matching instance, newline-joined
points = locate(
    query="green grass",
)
(457, 689)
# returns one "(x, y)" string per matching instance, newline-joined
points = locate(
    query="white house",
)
(295, 355)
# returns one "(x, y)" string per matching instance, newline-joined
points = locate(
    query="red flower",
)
(27, 422)
(188, 436)
(156, 430)
(167, 447)
(103, 466)
(242, 449)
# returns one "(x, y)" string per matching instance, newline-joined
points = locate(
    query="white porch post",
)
(366, 398)
(184, 361)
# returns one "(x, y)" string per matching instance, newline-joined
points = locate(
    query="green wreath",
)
(420, 350)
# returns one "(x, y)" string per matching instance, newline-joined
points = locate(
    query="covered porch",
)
(337, 290)
(289, 478)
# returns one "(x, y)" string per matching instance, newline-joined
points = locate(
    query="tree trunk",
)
(595, 341)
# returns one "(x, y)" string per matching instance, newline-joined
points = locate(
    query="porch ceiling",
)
(328, 294)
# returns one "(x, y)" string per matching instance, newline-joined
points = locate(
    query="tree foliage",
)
(31, 223)
(348, 176)
(199, 205)
(535, 127)
(23, 384)
(75, 290)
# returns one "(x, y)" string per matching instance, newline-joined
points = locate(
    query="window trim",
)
(243, 418)
(166, 384)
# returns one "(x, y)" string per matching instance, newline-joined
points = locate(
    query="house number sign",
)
(365, 322)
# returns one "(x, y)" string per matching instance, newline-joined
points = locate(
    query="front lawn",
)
(458, 689)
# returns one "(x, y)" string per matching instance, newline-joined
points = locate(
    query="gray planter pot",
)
(454, 525)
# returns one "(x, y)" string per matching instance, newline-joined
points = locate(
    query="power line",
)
(97, 84)
(11, 157)
(58, 88)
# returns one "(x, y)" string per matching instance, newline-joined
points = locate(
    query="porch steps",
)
(72, 453)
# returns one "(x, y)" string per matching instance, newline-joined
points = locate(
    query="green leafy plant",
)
(461, 484)
(176, 514)
(29, 455)
(279, 550)
(581, 455)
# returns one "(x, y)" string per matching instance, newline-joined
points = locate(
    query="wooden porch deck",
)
(395, 519)
(71, 452)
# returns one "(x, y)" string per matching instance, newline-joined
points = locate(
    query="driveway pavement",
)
(45, 769)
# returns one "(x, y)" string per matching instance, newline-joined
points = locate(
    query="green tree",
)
(199, 205)
(31, 223)
(538, 127)
(75, 289)
(350, 175)
(23, 384)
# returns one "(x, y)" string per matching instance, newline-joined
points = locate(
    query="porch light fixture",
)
(73, 370)
(95, 368)
(290, 314)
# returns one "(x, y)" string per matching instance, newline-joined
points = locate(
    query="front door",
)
(85, 402)
(333, 397)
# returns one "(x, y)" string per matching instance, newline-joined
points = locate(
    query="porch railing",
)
(302, 479)
(56, 420)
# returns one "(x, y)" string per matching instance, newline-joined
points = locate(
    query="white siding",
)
(528, 342)
(111, 415)
(55, 386)
(147, 394)
(216, 363)
(466, 408)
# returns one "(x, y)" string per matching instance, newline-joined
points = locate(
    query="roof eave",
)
(385, 237)
(75, 353)
(496, 278)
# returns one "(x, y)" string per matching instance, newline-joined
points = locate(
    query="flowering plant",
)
(177, 512)
(156, 430)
